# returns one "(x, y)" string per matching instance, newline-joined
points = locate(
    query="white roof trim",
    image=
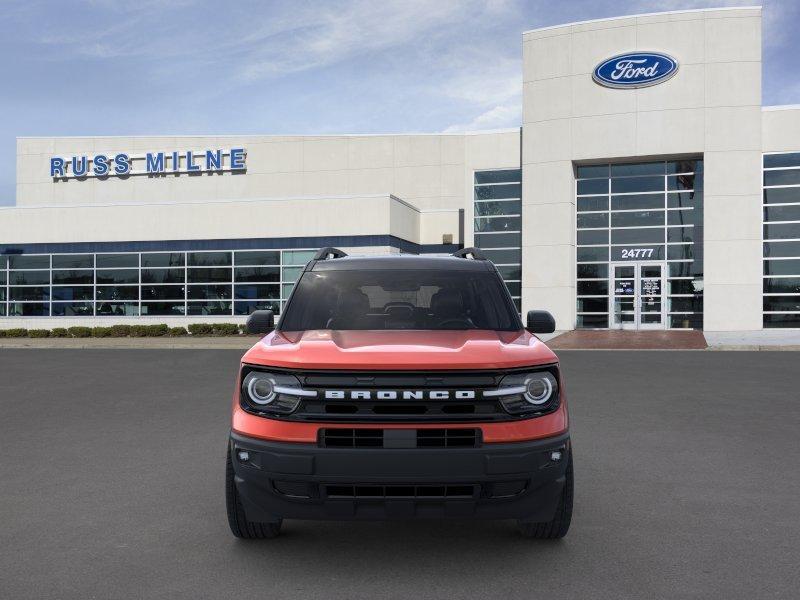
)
(653, 14)
(264, 135)
(782, 107)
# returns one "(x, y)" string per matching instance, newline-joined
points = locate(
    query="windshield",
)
(393, 299)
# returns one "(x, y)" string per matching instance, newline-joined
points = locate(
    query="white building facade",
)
(654, 192)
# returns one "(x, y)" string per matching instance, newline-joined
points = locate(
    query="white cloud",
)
(335, 33)
(497, 117)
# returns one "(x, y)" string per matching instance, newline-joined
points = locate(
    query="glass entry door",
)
(637, 295)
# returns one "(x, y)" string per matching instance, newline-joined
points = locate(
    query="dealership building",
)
(647, 188)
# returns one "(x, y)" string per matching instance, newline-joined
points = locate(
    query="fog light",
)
(243, 455)
(555, 455)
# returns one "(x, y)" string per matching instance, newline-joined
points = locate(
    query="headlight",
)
(535, 392)
(272, 392)
(261, 389)
(539, 388)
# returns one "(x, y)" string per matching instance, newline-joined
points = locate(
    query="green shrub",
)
(16, 332)
(225, 329)
(2, 333)
(138, 330)
(60, 332)
(120, 330)
(38, 333)
(177, 331)
(80, 332)
(157, 330)
(201, 329)
(101, 332)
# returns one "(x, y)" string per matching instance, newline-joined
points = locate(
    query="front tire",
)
(240, 526)
(558, 527)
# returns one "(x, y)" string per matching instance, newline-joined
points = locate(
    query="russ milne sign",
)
(122, 164)
(635, 70)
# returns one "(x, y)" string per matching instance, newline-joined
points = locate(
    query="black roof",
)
(400, 262)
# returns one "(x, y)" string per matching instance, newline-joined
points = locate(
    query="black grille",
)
(448, 438)
(351, 438)
(400, 438)
(451, 410)
(397, 410)
(417, 492)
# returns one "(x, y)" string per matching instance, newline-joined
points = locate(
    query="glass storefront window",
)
(208, 259)
(593, 236)
(782, 177)
(297, 257)
(592, 186)
(782, 267)
(72, 309)
(592, 203)
(29, 261)
(163, 309)
(498, 221)
(163, 259)
(639, 212)
(163, 292)
(65, 277)
(73, 261)
(117, 261)
(85, 292)
(257, 257)
(627, 185)
(638, 218)
(208, 275)
(29, 293)
(117, 276)
(208, 308)
(589, 271)
(150, 283)
(498, 240)
(29, 278)
(592, 220)
(163, 276)
(505, 207)
(781, 287)
(497, 192)
(117, 292)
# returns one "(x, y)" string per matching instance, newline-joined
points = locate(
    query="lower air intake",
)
(416, 492)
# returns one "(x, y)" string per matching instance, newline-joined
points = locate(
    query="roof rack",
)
(326, 253)
(475, 253)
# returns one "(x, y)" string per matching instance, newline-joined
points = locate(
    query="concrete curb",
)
(756, 347)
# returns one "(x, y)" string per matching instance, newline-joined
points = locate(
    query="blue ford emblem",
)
(635, 70)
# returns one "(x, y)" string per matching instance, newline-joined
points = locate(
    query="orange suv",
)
(399, 387)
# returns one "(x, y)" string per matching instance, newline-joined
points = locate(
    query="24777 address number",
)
(637, 252)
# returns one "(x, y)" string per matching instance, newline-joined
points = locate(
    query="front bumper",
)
(304, 481)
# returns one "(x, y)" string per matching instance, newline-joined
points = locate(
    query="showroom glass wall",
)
(498, 223)
(207, 283)
(781, 302)
(640, 213)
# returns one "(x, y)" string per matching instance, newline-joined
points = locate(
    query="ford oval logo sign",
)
(635, 70)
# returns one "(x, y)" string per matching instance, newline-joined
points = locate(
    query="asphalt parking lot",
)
(111, 478)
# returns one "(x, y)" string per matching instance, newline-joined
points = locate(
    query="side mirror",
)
(540, 321)
(261, 321)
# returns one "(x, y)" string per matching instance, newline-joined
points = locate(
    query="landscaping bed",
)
(119, 331)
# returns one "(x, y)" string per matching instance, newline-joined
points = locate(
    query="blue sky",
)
(148, 67)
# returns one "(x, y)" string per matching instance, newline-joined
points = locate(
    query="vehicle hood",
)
(388, 350)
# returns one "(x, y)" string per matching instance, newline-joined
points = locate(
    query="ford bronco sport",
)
(399, 387)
